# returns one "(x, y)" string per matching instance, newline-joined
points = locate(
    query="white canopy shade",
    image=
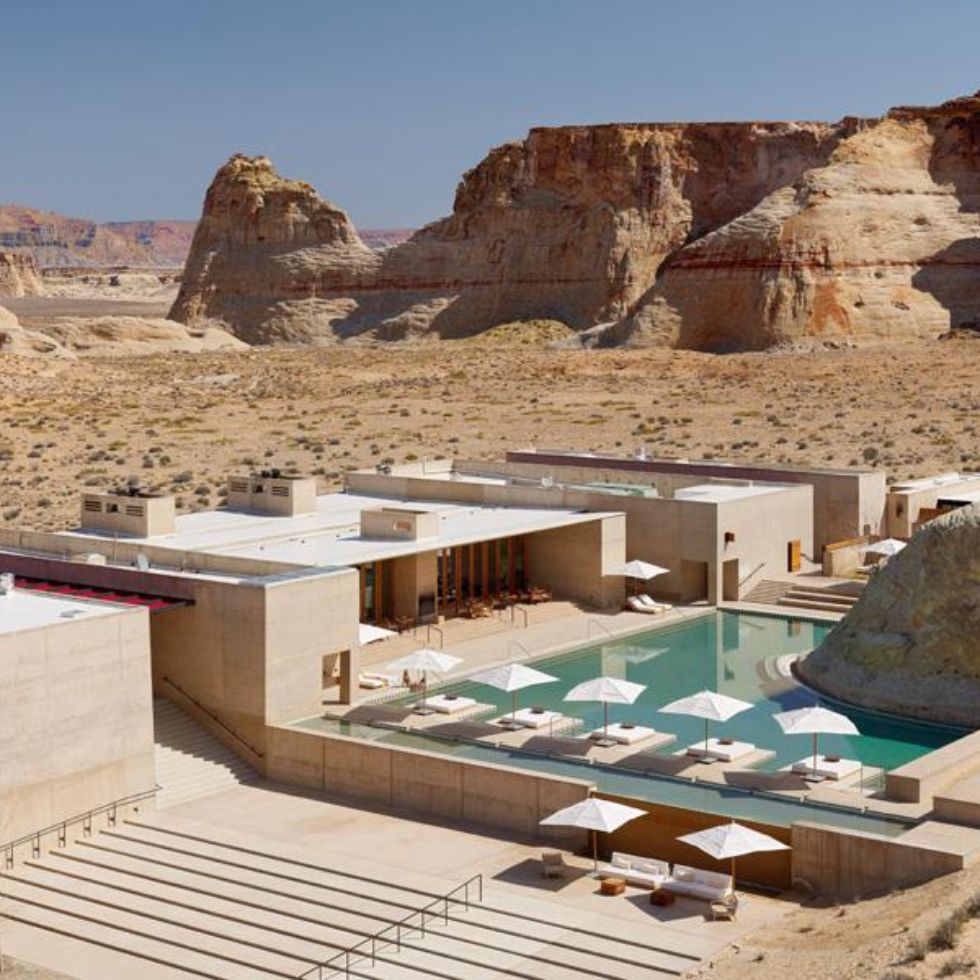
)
(728, 841)
(709, 705)
(426, 660)
(611, 690)
(815, 720)
(595, 815)
(367, 633)
(512, 677)
(638, 569)
(888, 547)
(608, 690)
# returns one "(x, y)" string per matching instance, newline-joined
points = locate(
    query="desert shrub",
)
(957, 966)
(946, 934)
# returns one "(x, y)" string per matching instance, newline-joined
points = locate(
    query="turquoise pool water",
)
(735, 654)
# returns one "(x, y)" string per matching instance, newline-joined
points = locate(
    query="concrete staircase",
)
(822, 598)
(165, 897)
(190, 762)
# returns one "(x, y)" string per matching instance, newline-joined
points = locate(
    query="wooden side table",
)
(662, 898)
(612, 886)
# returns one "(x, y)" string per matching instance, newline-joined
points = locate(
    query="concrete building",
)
(910, 504)
(717, 538)
(847, 503)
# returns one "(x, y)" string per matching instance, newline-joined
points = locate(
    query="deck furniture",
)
(725, 908)
(371, 682)
(535, 718)
(712, 886)
(553, 864)
(828, 767)
(662, 898)
(622, 734)
(449, 704)
(612, 886)
(644, 871)
(724, 750)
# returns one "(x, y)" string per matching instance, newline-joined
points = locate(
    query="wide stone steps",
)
(168, 893)
(767, 592)
(191, 763)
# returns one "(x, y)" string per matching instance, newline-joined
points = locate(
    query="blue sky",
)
(118, 109)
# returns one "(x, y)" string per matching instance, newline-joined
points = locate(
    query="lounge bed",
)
(716, 749)
(531, 718)
(653, 604)
(635, 870)
(832, 767)
(447, 704)
(712, 886)
(623, 734)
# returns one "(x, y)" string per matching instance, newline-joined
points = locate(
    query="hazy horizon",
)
(132, 107)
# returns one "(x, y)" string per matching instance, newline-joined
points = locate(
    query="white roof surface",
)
(330, 536)
(719, 493)
(23, 610)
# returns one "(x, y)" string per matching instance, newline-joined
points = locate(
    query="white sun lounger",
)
(653, 604)
(447, 705)
(840, 769)
(624, 736)
(535, 719)
(724, 753)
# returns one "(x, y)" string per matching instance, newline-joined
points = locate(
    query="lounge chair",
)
(535, 717)
(828, 767)
(553, 864)
(723, 751)
(623, 734)
(635, 870)
(654, 605)
(372, 682)
(633, 602)
(448, 704)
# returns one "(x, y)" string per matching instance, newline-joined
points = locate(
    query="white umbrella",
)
(596, 815)
(425, 660)
(636, 569)
(366, 633)
(709, 705)
(512, 678)
(608, 690)
(731, 840)
(888, 547)
(814, 721)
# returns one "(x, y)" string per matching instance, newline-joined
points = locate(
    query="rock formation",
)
(19, 275)
(909, 645)
(708, 236)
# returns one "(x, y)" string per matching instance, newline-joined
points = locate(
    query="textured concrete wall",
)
(423, 782)
(918, 780)
(848, 864)
(76, 719)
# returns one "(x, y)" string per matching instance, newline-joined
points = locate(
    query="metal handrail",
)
(231, 731)
(755, 571)
(61, 828)
(515, 607)
(429, 627)
(595, 622)
(367, 949)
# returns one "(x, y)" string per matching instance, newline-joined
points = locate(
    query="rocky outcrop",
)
(710, 236)
(19, 275)
(15, 339)
(909, 645)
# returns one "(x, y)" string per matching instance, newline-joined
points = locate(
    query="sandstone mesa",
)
(701, 236)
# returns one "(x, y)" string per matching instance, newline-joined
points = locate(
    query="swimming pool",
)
(737, 654)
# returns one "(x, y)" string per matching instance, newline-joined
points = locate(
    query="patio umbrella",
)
(594, 814)
(709, 705)
(425, 660)
(512, 678)
(608, 690)
(367, 633)
(640, 570)
(728, 841)
(887, 548)
(814, 721)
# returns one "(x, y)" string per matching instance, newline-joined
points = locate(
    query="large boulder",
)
(19, 275)
(911, 644)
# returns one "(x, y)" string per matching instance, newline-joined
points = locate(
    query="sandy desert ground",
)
(182, 422)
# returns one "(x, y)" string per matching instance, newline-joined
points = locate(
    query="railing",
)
(396, 933)
(225, 727)
(61, 828)
(755, 571)
(518, 609)
(595, 622)
(429, 627)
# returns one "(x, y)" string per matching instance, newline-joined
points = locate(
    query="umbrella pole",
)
(513, 706)
(733, 874)
(595, 851)
(706, 737)
(605, 719)
(425, 687)
(814, 753)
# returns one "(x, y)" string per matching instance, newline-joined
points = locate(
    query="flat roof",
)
(719, 493)
(20, 610)
(941, 481)
(330, 536)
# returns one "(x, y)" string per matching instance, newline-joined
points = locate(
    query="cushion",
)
(618, 861)
(683, 874)
(651, 867)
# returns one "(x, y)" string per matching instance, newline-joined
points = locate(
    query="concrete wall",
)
(918, 780)
(573, 560)
(426, 783)
(848, 864)
(904, 505)
(76, 719)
